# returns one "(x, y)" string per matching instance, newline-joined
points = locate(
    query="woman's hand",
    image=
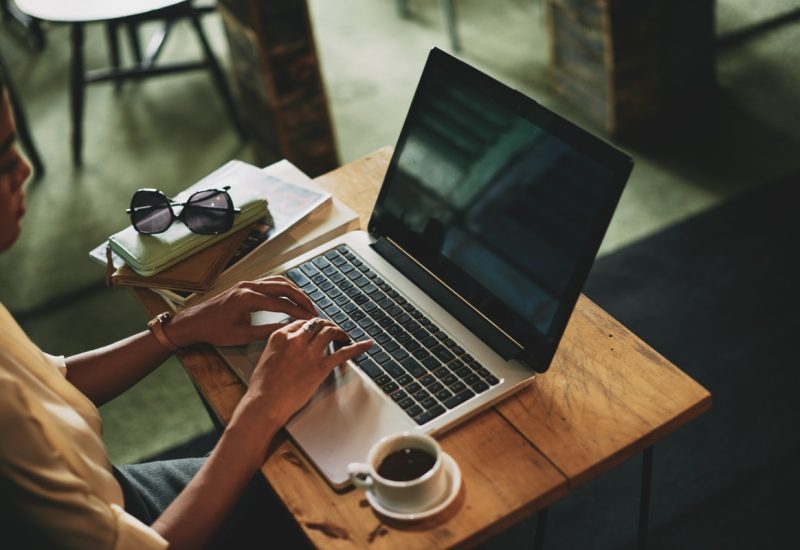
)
(295, 362)
(292, 366)
(225, 319)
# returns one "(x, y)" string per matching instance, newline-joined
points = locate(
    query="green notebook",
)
(149, 254)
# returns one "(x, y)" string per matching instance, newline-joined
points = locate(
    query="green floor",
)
(169, 132)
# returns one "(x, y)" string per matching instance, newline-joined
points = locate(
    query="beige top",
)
(52, 452)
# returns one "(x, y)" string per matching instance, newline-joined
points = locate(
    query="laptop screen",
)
(501, 200)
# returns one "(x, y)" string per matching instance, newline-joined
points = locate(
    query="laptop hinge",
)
(493, 336)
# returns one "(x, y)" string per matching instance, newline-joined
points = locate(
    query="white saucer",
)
(453, 474)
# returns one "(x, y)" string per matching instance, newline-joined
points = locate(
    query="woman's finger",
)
(310, 328)
(274, 303)
(327, 335)
(344, 353)
(282, 287)
(263, 332)
(277, 285)
(295, 326)
(276, 278)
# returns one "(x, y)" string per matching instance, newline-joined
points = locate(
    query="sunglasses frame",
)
(169, 203)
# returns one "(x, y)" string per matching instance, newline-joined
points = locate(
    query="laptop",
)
(487, 223)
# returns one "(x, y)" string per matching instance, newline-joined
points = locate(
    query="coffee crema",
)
(406, 464)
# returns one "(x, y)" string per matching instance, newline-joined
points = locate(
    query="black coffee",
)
(406, 464)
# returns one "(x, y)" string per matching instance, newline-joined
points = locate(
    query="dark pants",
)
(259, 519)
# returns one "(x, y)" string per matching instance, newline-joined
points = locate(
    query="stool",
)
(128, 13)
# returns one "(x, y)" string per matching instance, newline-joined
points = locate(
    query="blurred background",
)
(719, 122)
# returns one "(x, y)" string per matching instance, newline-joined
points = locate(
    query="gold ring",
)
(313, 327)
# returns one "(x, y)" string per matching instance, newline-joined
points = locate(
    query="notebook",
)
(249, 190)
(488, 220)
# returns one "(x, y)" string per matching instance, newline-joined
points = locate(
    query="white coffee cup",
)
(424, 490)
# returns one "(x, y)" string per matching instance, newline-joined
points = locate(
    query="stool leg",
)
(644, 499)
(76, 92)
(136, 45)
(156, 44)
(449, 11)
(402, 7)
(216, 72)
(113, 49)
(21, 122)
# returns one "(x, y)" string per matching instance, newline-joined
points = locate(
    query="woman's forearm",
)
(198, 512)
(106, 372)
(223, 320)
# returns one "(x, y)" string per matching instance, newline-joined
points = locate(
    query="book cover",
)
(289, 204)
(310, 233)
(147, 255)
(196, 273)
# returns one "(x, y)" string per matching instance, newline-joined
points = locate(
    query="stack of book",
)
(300, 217)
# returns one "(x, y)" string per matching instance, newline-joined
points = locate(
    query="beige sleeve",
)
(49, 494)
(59, 362)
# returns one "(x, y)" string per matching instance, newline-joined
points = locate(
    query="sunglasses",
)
(208, 212)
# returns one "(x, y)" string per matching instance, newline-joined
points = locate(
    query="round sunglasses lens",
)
(208, 212)
(150, 212)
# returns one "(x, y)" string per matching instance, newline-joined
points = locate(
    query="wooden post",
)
(282, 99)
(627, 62)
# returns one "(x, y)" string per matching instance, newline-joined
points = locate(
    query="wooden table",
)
(606, 397)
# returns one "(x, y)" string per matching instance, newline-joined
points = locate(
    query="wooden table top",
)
(606, 397)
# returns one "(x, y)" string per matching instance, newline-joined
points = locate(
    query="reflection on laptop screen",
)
(496, 206)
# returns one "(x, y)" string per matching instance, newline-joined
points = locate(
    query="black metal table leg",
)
(216, 71)
(644, 498)
(541, 528)
(644, 506)
(76, 92)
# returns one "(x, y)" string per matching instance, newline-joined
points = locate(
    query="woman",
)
(54, 470)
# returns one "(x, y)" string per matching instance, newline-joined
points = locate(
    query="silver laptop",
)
(486, 226)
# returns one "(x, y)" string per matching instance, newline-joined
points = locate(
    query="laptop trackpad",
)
(342, 421)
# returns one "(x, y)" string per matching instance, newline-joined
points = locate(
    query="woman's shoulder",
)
(13, 399)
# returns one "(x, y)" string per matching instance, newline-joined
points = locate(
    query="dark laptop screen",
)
(496, 204)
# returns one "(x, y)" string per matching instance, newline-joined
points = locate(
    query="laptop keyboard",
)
(413, 361)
